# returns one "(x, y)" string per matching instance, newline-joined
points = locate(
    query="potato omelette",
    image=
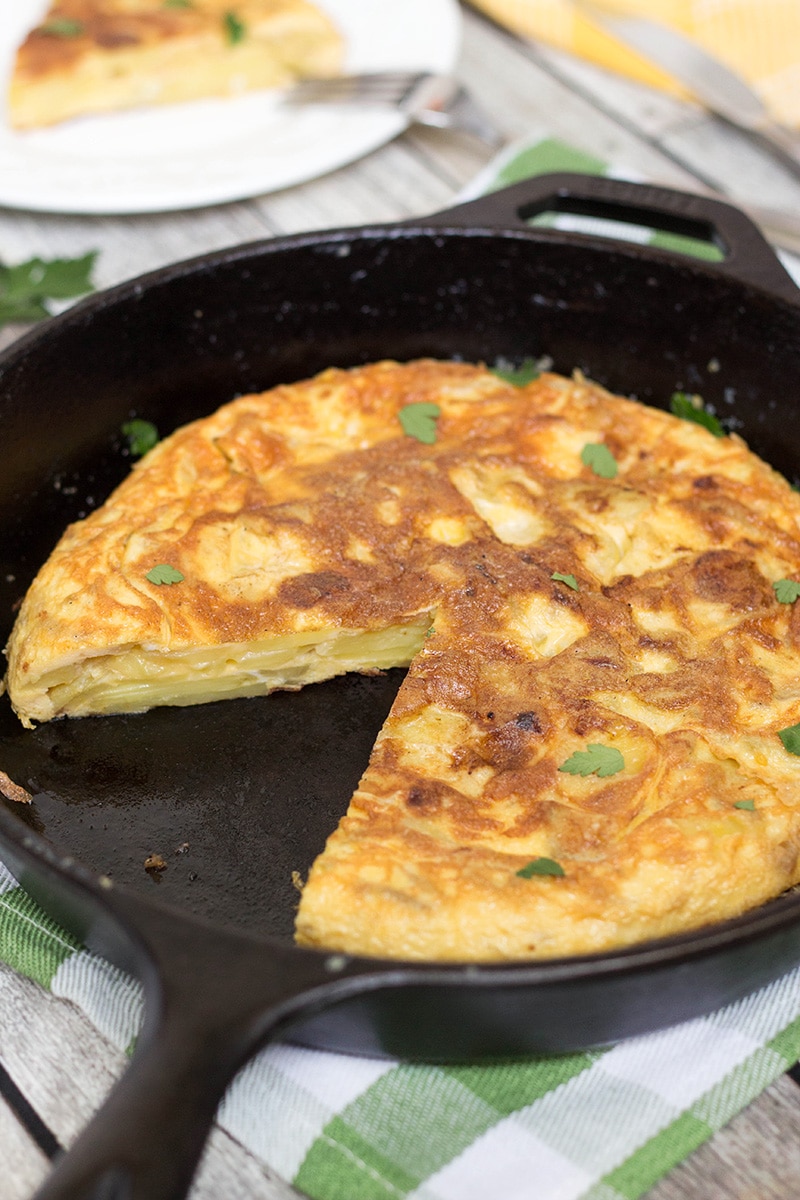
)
(94, 56)
(596, 742)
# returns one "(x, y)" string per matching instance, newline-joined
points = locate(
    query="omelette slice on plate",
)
(94, 56)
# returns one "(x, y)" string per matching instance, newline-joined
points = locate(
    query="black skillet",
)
(237, 795)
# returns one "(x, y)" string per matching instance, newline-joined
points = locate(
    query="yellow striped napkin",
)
(758, 38)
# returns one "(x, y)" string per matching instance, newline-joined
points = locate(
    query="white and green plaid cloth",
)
(603, 1125)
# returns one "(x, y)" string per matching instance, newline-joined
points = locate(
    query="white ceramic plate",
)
(210, 151)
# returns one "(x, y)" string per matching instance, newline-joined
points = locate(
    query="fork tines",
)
(384, 87)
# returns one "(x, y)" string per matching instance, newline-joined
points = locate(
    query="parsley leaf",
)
(691, 408)
(540, 866)
(62, 27)
(141, 435)
(595, 760)
(419, 421)
(786, 590)
(790, 738)
(235, 29)
(749, 805)
(177, 4)
(598, 456)
(526, 372)
(26, 288)
(164, 573)
(569, 580)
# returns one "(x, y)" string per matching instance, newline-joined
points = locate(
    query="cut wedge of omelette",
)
(594, 744)
(93, 56)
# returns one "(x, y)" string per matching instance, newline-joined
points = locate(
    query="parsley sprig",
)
(540, 866)
(786, 590)
(235, 28)
(526, 372)
(598, 457)
(66, 27)
(164, 573)
(27, 288)
(419, 421)
(596, 759)
(790, 736)
(142, 435)
(692, 408)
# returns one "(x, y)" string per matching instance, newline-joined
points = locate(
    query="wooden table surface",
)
(49, 1054)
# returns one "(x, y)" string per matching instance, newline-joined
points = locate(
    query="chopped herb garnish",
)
(540, 866)
(419, 421)
(749, 805)
(177, 4)
(164, 573)
(790, 738)
(62, 27)
(786, 590)
(235, 30)
(691, 408)
(27, 288)
(526, 372)
(569, 580)
(595, 760)
(141, 435)
(598, 456)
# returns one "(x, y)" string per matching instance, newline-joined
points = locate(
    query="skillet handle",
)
(748, 256)
(147, 1138)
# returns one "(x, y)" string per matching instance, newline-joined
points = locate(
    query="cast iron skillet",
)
(237, 795)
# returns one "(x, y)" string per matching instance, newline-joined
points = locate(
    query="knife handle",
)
(747, 256)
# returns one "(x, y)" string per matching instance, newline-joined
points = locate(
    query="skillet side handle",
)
(748, 256)
(209, 1006)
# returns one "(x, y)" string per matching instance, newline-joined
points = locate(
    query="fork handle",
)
(748, 257)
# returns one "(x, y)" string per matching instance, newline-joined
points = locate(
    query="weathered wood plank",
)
(23, 1164)
(754, 1157)
(65, 1068)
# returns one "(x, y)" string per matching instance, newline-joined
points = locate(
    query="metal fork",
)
(422, 97)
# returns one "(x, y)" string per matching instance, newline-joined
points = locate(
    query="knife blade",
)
(715, 85)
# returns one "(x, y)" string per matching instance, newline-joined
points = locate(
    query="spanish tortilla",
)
(590, 747)
(95, 56)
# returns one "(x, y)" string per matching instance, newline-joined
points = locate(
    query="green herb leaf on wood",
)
(27, 288)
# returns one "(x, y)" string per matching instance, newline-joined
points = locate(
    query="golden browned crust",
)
(99, 55)
(567, 610)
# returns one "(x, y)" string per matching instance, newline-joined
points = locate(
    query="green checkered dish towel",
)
(602, 1125)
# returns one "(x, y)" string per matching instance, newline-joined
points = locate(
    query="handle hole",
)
(690, 236)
